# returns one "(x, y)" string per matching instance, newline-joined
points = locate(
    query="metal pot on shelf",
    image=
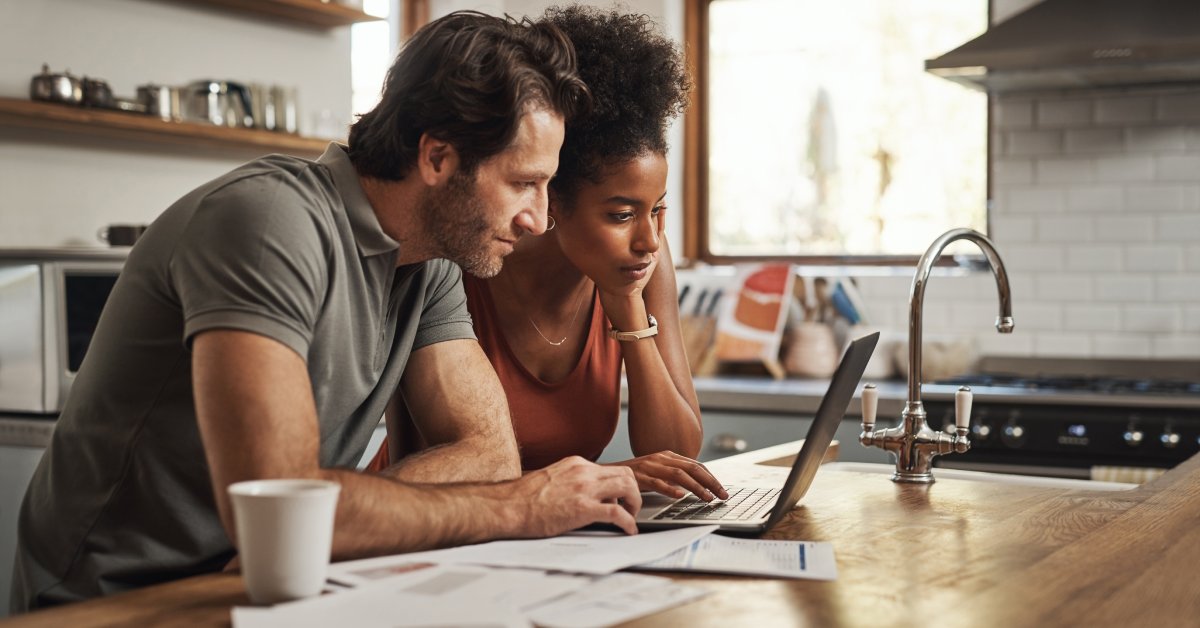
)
(223, 103)
(161, 101)
(56, 87)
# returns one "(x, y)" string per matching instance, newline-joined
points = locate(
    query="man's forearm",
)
(377, 516)
(472, 460)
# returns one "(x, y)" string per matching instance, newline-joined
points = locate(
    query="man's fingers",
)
(618, 516)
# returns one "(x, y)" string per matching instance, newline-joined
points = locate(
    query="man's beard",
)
(456, 220)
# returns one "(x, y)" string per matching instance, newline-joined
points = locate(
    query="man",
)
(264, 320)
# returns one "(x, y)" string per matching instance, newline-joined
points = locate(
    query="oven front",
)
(1122, 437)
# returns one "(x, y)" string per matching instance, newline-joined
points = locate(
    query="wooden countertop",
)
(955, 553)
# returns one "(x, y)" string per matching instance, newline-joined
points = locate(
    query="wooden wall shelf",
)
(310, 12)
(132, 126)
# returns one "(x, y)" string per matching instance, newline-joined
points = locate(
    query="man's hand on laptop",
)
(573, 493)
(674, 475)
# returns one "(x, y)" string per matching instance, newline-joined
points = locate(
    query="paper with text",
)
(586, 554)
(752, 557)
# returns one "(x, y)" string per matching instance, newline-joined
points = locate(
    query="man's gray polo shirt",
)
(282, 247)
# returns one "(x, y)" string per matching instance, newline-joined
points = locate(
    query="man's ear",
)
(437, 160)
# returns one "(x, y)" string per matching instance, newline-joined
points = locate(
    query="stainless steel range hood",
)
(1081, 43)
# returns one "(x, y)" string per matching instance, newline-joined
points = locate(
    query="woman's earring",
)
(550, 227)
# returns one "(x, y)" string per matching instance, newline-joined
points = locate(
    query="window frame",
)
(695, 164)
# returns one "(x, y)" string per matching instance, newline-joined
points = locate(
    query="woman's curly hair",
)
(638, 81)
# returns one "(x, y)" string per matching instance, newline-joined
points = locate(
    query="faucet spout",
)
(913, 442)
(916, 299)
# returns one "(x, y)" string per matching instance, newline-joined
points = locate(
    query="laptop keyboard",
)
(743, 504)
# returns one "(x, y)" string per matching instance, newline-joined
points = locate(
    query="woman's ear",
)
(437, 160)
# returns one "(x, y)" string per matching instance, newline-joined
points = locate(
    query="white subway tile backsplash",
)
(1086, 141)
(1038, 316)
(1064, 287)
(1154, 258)
(1177, 346)
(1013, 114)
(1183, 107)
(1124, 109)
(1156, 139)
(1011, 229)
(1177, 288)
(1092, 317)
(1018, 343)
(1125, 229)
(1097, 216)
(1094, 258)
(1063, 345)
(1191, 318)
(1010, 171)
(1177, 168)
(1123, 288)
(1064, 113)
(1026, 143)
(1131, 168)
(1026, 200)
(1096, 198)
(1061, 170)
(1033, 258)
(1154, 198)
(1192, 260)
(1121, 345)
(1151, 318)
(972, 317)
(1178, 228)
(1065, 229)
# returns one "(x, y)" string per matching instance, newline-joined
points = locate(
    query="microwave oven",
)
(50, 302)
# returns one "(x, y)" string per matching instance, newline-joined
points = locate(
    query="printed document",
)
(593, 554)
(752, 557)
(468, 595)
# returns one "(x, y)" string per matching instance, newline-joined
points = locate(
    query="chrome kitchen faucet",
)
(913, 442)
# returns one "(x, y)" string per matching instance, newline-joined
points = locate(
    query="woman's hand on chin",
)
(674, 475)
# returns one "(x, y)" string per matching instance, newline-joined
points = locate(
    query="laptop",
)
(754, 509)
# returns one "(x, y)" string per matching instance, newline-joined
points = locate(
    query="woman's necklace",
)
(570, 326)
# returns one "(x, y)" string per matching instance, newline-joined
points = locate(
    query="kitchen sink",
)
(983, 476)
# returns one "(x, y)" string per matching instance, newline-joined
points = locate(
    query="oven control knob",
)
(981, 431)
(1134, 437)
(1013, 435)
(1169, 439)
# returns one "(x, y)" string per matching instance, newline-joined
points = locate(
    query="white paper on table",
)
(385, 605)
(614, 599)
(586, 554)
(719, 554)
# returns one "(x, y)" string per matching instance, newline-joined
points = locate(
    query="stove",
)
(1070, 425)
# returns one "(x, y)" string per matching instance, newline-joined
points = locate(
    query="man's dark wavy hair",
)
(638, 81)
(466, 79)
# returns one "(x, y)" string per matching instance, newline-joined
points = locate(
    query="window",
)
(823, 137)
(373, 47)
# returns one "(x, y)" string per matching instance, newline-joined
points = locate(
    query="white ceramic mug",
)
(285, 534)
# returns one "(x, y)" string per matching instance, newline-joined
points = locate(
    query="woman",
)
(546, 320)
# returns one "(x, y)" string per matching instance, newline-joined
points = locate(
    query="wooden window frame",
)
(695, 164)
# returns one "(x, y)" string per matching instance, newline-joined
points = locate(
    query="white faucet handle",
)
(962, 407)
(870, 403)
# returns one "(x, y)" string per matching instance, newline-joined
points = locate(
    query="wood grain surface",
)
(954, 553)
